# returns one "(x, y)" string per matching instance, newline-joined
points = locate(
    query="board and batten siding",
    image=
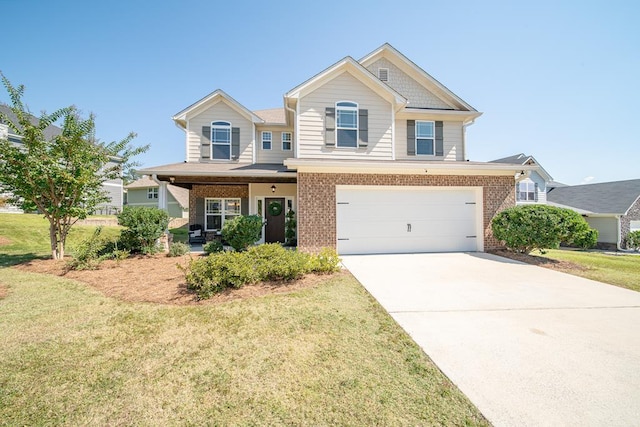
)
(418, 95)
(220, 111)
(451, 141)
(276, 155)
(311, 117)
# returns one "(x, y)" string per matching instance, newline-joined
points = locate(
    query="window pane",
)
(347, 104)
(424, 129)
(232, 206)
(424, 146)
(221, 135)
(213, 206)
(347, 138)
(260, 207)
(347, 118)
(222, 152)
(214, 222)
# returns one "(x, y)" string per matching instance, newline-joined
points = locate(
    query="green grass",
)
(619, 270)
(180, 234)
(327, 355)
(28, 236)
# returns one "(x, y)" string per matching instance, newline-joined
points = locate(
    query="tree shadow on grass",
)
(9, 260)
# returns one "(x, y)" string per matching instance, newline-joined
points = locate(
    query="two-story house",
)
(370, 154)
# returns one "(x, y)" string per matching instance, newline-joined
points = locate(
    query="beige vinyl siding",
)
(276, 155)
(219, 111)
(451, 140)
(607, 228)
(344, 87)
(418, 95)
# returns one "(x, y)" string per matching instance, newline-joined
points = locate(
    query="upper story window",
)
(425, 138)
(347, 124)
(527, 191)
(152, 193)
(266, 140)
(286, 141)
(221, 140)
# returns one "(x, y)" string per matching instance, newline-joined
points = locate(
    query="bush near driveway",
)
(219, 271)
(526, 228)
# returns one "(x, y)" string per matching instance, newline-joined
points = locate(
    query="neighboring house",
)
(144, 192)
(113, 188)
(532, 185)
(369, 154)
(613, 208)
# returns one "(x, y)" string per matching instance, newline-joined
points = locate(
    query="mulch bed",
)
(157, 279)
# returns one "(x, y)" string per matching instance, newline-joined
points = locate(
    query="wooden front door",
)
(275, 216)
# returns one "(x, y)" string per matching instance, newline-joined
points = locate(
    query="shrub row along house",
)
(113, 188)
(369, 154)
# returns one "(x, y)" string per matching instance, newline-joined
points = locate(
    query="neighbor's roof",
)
(49, 132)
(604, 198)
(524, 159)
(272, 115)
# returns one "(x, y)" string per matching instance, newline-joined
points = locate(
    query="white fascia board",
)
(465, 116)
(218, 93)
(404, 167)
(223, 173)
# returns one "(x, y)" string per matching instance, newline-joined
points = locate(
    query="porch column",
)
(162, 195)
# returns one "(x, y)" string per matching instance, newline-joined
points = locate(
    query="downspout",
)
(619, 242)
(295, 127)
(464, 138)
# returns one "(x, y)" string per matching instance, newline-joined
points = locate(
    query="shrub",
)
(242, 231)
(633, 240)
(213, 247)
(178, 249)
(290, 228)
(586, 239)
(218, 271)
(143, 228)
(88, 254)
(526, 228)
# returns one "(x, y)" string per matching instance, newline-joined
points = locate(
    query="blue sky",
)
(555, 79)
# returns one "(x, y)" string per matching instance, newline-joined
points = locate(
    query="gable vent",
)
(383, 74)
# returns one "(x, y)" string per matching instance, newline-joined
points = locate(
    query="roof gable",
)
(525, 160)
(418, 74)
(350, 65)
(602, 198)
(214, 97)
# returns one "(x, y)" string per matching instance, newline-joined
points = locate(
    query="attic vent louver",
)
(383, 74)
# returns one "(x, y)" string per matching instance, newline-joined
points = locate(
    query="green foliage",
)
(87, 254)
(290, 228)
(144, 226)
(242, 231)
(586, 239)
(178, 249)
(633, 240)
(60, 176)
(219, 271)
(213, 247)
(526, 228)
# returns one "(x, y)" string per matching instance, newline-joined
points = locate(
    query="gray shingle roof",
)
(49, 132)
(603, 198)
(516, 159)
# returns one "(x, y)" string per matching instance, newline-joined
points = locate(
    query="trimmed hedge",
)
(222, 270)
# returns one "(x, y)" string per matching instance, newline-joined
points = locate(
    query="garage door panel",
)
(372, 220)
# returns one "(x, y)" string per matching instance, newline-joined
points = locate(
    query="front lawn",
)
(619, 270)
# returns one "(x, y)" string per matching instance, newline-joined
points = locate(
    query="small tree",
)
(242, 231)
(526, 228)
(144, 226)
(61, 176)
(633, 240)
(290, 227)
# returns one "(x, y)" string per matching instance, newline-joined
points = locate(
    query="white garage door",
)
(404, 220)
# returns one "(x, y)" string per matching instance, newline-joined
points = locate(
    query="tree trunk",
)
(53, 239)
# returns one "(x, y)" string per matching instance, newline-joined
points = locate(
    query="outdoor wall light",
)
(273, 188)
(172, 179)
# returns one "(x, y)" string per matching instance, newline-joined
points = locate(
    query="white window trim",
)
(270, 141)
(290, 141)
(433, 138)
(528, 183)
(227, 126)
(357, 129)
(152, 193)
(222, 214)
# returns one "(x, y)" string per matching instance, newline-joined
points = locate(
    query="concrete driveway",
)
(527, 345)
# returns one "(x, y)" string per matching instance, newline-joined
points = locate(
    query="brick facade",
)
(317, 201)
(625, 221)
(221, 191)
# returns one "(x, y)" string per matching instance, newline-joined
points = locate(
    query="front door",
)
(274, 215)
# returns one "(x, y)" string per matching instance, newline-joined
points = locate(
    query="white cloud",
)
(587, 179)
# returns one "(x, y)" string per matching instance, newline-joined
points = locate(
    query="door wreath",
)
(275, 208)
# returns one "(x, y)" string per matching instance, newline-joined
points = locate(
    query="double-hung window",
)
(286, 141)
(526, 191)
(425, 138)
(347, 124)
(217, 211)
(266, 140)
(152, 193)
(221, 140)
